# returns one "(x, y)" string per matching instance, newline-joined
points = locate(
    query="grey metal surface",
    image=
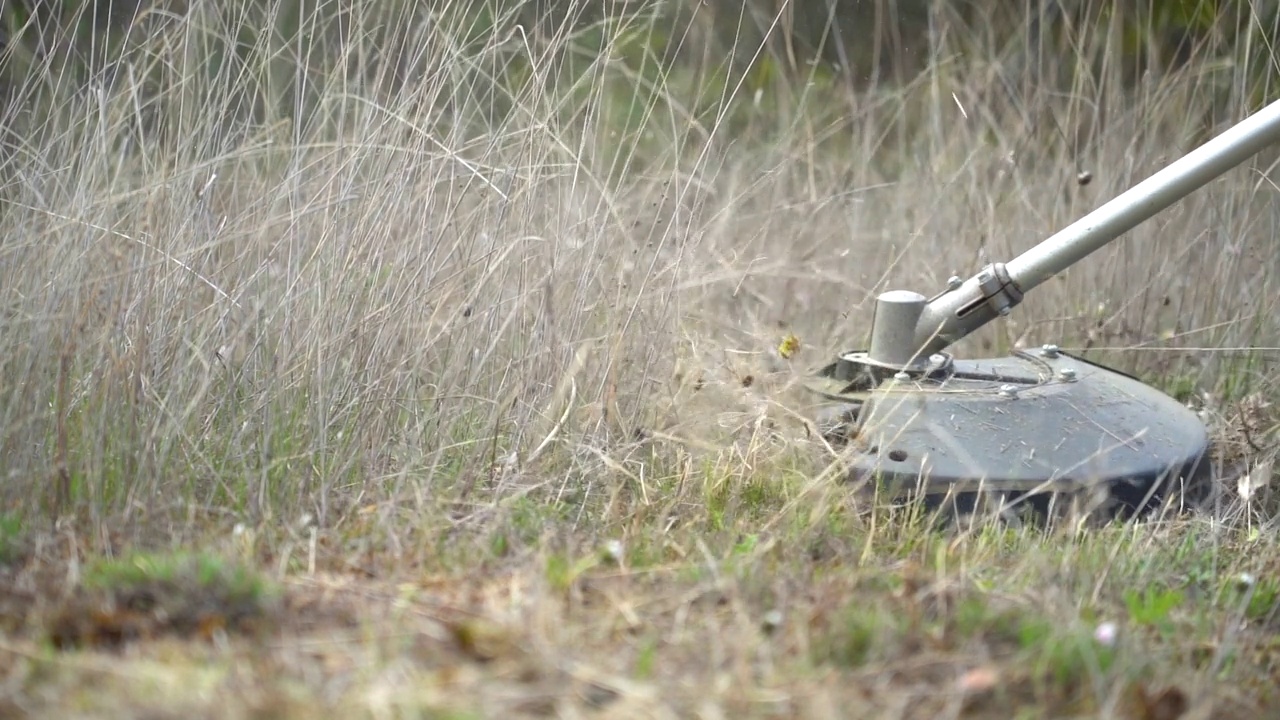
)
(1042, 422)
(958, 312)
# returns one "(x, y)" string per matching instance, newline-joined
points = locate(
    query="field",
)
(430, 367)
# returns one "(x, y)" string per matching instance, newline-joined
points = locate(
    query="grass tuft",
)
(148, 595)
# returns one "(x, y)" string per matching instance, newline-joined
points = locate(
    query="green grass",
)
(439, 375)
(205, 573)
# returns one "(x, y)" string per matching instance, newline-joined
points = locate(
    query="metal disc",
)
(1030, 426)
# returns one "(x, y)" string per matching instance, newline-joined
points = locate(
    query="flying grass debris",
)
(789, 346)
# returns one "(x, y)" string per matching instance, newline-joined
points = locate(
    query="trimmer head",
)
(1035, 426)
(1031, 430)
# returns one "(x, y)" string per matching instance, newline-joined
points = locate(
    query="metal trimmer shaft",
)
(991, 293)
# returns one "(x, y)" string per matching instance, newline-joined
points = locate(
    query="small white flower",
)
(1105, 634)
(613, 550)
(772, 620)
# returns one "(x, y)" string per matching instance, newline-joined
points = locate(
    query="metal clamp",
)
(998, 289)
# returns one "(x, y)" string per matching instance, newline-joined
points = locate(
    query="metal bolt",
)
(1049, 351)
(1004, 311)
(1008, 391)
(954, 282)
(1067, 374)
(937, 359)
(901, 376)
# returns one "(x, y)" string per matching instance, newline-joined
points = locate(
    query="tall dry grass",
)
(424, 280)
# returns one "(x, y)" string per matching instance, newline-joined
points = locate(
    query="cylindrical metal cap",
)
(893, 329)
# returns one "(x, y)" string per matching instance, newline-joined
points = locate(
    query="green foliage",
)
(562, 571)
(647, 658)
(863, 632)
(1068, 658)
(1152, 606)
(198, 571)
(1255, 598)
(1262, 603)
(12, 528)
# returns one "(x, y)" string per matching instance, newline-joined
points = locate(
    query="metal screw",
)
(901, 376)
(954, 282)
(1067, 374)
(1049, 351)
(1008, 391)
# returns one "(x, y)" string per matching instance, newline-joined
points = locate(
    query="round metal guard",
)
(1032, 425)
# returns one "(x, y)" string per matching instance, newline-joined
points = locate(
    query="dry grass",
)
(470, 368)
